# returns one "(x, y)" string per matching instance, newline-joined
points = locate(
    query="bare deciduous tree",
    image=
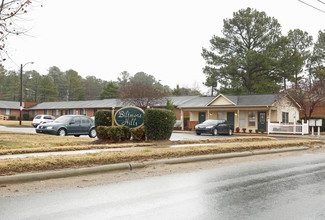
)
(308, 94)
(11, 15)
(140, 94)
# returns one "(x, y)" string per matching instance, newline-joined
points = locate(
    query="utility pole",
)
(21, 93)
(21, 90)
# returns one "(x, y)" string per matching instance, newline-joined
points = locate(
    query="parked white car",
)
(41, 119)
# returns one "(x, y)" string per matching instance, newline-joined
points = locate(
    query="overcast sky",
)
(163, 38)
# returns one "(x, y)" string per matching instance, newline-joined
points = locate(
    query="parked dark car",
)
(214, 127)
(69, 125)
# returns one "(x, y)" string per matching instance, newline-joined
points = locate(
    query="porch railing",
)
(295, 128)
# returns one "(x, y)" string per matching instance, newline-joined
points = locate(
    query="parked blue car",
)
(69, 125)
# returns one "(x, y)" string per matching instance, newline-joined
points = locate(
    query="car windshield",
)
(38, 116)
(62, 119)
(211, 122)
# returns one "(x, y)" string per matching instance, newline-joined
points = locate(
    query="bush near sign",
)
(129, 116)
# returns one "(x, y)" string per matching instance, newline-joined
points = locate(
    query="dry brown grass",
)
(11, 143)
(14, 123)
(12, 166)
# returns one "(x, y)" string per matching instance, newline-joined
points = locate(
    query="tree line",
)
(254, 57)
(68, 85)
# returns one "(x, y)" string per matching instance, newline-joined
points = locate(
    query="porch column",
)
(182, 121)
(208, 114)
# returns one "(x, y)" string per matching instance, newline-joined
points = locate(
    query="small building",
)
(243, 111)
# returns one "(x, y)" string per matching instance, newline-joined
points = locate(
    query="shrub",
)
(262, 131)
(103, 118)
(244, 130)
(115, 133)
(138, 134)
(237, 129)
(26, 116)
(102, 132)
(256, 131)
(250, 130)
(12, 117)
(159, 124)
(126, 133)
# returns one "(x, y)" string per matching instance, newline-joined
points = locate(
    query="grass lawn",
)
(15, 123)
(17, 143)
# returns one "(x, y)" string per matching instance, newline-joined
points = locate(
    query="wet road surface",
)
(287, 188)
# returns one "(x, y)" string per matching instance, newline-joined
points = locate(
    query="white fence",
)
(288, 128)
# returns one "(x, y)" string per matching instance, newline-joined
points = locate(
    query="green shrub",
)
(126, 133)
(26, 116)
(138, 134)
(250, 130)
(262, 130)
(159, 124)
(102, 132)
(256, 131)
(103, 118)
(12, 117)
(115, 133)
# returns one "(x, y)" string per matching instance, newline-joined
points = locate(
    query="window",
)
(251, 119)
(34, 112)
(82, 111)
(220, 116)
(55, 112)
(5, 111)
(46, 112)
(85, 121)
(72, 112)
(285, 117)
(241, 119)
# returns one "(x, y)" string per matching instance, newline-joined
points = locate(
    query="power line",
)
(312, 6)
(321, 2)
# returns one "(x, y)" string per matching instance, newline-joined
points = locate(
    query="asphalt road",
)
(287, 188)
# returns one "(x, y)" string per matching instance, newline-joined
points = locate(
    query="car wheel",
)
(77, 135)
(93, 133)
(198, 133)
(215, 132)
(230, 132)
(62, 132)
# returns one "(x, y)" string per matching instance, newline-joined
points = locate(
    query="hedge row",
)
(158, 125)
(120, 133)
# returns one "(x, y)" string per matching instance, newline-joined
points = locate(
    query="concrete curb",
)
(21, 178)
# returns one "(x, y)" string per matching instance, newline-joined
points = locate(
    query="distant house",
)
(12, 108)
(90, 107)
(244, 111)
(9, 108)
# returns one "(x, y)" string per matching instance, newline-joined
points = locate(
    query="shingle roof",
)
(199, 101)
(106, 103)
(264, 99)
(179, 101)
(10, 105)
(238, 100)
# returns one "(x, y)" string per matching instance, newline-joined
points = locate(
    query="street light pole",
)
(21, 90)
